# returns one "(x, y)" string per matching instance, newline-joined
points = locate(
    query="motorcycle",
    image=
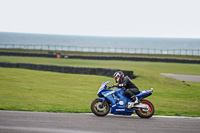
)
(115, 102)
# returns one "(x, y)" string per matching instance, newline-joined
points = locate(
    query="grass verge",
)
(22, 89)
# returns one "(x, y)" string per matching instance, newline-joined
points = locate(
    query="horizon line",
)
(114, 36)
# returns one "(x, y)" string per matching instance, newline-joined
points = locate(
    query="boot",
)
(131, 104)
(135, 99)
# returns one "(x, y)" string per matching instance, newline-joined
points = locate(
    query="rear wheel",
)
(100, 109)
(146, 113)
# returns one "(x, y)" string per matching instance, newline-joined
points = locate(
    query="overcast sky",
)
(135, 18)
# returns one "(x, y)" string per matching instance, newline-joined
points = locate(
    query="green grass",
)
(136, 66)
(22, 89)
(47, 91)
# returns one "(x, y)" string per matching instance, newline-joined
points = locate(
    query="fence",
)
(193, 52)
(101, 57)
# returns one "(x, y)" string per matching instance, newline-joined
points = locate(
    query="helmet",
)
(118, 76)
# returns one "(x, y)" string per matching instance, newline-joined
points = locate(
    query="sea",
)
(114, 43)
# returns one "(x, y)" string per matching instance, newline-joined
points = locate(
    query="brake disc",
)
(100, 108)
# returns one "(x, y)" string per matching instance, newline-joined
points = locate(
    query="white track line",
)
(155, 116)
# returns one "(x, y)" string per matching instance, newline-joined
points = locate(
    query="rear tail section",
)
(144, 93)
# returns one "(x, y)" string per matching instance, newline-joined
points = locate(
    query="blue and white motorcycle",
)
(115, 102)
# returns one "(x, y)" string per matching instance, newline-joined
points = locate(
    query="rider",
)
(124, 81)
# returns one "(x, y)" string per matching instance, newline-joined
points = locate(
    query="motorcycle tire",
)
(98, 109)
(146, 114)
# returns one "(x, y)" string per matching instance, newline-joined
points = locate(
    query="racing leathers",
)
(131, 89)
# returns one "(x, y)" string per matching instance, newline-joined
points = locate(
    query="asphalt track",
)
(41, 122)
(191, 78)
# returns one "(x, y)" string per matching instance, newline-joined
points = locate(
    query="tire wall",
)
(67, 69)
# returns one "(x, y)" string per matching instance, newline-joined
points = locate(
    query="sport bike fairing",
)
(117, 98)
(118, 102)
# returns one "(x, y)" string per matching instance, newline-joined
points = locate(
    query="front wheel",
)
(100, 109)
(146, 113)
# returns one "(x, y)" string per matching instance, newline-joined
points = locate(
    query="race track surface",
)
(192, 78)
(41, 122)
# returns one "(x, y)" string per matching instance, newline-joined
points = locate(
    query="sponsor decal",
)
(109, 93)
(144, 91)
(121, 103)
(120, 109)
(114, 105)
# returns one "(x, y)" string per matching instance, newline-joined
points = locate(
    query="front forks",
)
(102, 104)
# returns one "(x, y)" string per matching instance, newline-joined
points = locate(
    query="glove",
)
(112, 86)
